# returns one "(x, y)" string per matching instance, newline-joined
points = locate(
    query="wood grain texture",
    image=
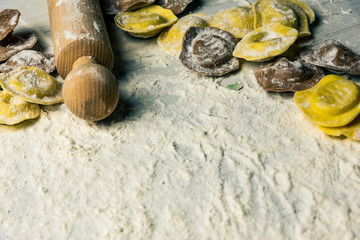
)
(90, 90)
(78, 29)
(79, 36)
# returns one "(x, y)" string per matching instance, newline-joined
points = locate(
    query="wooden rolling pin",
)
(83, 57)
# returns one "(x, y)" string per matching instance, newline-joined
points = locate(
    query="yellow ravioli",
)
(238, 21)
(287, 12)
(145, 22)
(32, 84)
(352, 130)
(270, 11)
(14, 110)
(333, 102)
(266, 42)
(303, 22)
(308, 11)
(171, 39)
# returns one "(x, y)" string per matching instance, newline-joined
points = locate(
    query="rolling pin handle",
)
(84, 60)
(90, 90)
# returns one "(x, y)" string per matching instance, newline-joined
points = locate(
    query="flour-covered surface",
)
(181, 157)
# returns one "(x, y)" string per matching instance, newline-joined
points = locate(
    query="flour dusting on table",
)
(181, 158)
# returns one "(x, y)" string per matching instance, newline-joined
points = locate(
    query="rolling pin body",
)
(80, 39)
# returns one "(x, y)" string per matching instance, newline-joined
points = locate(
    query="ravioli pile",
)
(25, 81)
(23, 89)
(261, 31)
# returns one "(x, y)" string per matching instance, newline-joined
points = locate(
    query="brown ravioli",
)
(176, 6)
(333, 56)
(209, 51)
(8, 21)
(130, 5)
(13, 44)
(286, 74)
(112, 7)
(29, 58)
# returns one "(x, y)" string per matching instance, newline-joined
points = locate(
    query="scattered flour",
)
(13, 20)
(97, 27)
(181, 158)
(69, 35)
